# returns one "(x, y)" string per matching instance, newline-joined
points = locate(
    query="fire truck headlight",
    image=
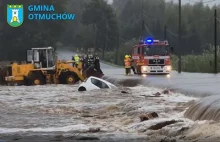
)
(144, 68)
(168, 68)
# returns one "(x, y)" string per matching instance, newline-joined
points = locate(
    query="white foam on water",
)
(78, 128)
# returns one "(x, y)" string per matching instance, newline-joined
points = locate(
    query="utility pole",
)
(118, 43)
(215, 42)
(96, 38)
(142, 20)
(165, 32)
(106, 38)
(179, 55)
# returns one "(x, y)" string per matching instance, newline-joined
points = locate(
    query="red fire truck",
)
(152, 57)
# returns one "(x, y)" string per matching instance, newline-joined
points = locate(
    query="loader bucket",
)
(92, 72)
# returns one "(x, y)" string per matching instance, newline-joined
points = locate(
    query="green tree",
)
(102, 17)
(73, 28)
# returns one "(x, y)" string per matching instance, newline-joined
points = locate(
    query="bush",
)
(195, 63)
(203, 63)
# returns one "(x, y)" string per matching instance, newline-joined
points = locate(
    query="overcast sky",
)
(209, 2)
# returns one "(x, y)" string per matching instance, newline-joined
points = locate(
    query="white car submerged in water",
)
(93, 83)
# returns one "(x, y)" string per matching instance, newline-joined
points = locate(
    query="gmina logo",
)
(15, 15)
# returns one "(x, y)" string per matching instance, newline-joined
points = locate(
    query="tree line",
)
(110, 29)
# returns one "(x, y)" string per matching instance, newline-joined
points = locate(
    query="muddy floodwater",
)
(59, 110)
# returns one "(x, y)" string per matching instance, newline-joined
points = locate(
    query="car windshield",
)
(99, 83)
(155, 50)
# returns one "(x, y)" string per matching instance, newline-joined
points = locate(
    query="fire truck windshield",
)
(155, 50)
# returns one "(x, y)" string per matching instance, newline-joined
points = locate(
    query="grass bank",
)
(203, 63)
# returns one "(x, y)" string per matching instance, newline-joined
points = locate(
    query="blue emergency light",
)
(149, 40)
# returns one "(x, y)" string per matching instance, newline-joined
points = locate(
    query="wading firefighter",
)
(132, 64)
(127, 61)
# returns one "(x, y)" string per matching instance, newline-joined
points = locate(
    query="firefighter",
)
(127, 61)
(88, 62)
(76, 59)
(43, 59)
(132, 64)
(97, 64)
(140, 62)
(89, 65)
(85, 62)
(80, 64)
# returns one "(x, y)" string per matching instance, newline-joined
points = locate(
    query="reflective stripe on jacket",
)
(76, 58)
(127, 63)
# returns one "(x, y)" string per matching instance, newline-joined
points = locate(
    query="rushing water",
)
(208, 108)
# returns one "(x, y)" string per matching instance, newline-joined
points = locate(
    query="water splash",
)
(207, 108)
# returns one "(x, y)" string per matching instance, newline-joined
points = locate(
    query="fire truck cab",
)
(152, 57)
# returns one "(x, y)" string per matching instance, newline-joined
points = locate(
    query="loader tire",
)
(36, 79)
(68, 78)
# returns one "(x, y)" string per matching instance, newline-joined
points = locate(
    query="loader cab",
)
(42, 57)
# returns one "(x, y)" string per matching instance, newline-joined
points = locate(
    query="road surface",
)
(198, 84)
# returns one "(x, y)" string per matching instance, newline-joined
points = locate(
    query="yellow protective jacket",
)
(127, 62)
(76, 59)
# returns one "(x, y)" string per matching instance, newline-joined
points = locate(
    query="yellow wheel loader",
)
(42, 67)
